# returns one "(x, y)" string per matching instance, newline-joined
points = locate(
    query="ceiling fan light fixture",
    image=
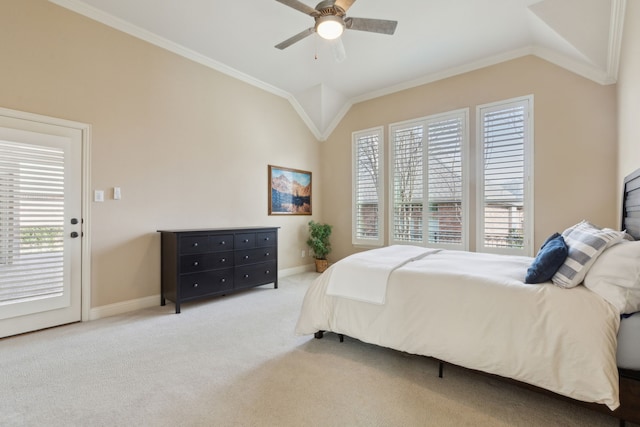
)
(329, 27)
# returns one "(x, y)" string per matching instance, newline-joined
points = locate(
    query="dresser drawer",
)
(209, 261)
(194, 244)
(251, 275)
(268, 238)
(245, 241)
(194, 263)
(221, 242)
(251, 256)
(210, 282)
(221, 260)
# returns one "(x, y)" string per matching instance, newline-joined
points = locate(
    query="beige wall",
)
(575, 141)
(629, 94)
(189, 146)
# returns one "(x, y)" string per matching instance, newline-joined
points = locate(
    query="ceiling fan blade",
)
(288, 42)
(344, 4)
(372, 25)
(300, 7)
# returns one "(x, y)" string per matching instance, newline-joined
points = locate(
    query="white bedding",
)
(474, 310)
(364, 276)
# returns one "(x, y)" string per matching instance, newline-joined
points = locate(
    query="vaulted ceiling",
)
(434, 39)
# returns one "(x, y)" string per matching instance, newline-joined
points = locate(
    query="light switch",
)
(98, 196)
(117, 195)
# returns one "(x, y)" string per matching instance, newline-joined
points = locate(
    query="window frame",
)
(528, 166)
(356, 239)
(463, 115)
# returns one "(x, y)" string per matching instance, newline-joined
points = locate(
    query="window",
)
(428, 173)
(368, 198)
(505, 195)
(430, 179)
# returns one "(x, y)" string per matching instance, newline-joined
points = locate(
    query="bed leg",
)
(341, 337)
(318, 335)
(440, 369)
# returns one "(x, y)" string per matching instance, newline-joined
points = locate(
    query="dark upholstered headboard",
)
(631, 204)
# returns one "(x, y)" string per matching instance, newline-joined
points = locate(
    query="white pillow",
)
(615, 276)
(586, 242)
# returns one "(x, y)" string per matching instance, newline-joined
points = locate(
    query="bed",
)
(476, 311)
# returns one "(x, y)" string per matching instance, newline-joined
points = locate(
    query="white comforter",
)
(474, 310)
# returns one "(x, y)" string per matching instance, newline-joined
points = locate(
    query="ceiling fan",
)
(331, 21)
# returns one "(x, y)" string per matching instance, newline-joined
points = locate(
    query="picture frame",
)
(290, 191)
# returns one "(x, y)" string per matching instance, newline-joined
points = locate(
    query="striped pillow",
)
(586, 242)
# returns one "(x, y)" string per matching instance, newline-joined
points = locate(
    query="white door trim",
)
(86, 199)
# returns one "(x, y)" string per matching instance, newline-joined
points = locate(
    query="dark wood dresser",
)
(208, 262)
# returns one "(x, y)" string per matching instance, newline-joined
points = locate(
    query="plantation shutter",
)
(504, 204)
(445, 185)
(367, 188)
(407, 182)
(31, 222)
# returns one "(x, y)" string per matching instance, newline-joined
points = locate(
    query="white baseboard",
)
(123, 307)
(297, 270)
(154, 300)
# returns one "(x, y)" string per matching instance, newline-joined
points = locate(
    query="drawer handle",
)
(223, 280)
(223, 242)
(266, 239)
(246, 257)
(195, 285)
(267, 272)
(195, 245)
(246, 240)
(246, 276)
(266, 254)
(223, 260)
(195, 264)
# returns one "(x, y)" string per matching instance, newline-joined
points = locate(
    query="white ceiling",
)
(434, 39)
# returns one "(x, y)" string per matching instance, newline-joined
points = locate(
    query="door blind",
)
(503, 139)
(32, 190)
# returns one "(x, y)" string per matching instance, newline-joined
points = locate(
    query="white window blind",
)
(428, 181)
(31, 222)
(504, 191)
(446, 186)
(368, 199)
(407, 182)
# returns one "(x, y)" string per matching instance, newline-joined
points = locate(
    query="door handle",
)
(74, 234)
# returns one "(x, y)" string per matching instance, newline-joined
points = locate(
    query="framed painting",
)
(289, 191)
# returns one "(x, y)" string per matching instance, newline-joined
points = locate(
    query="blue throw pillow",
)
(550, 257)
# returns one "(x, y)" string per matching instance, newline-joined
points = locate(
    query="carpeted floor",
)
(235, 361)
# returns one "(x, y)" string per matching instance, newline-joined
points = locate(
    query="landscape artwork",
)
(289, 191)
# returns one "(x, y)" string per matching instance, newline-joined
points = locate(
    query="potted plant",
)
(319, 243)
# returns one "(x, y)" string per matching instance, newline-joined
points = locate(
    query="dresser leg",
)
(177, 308)
(163, 301)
